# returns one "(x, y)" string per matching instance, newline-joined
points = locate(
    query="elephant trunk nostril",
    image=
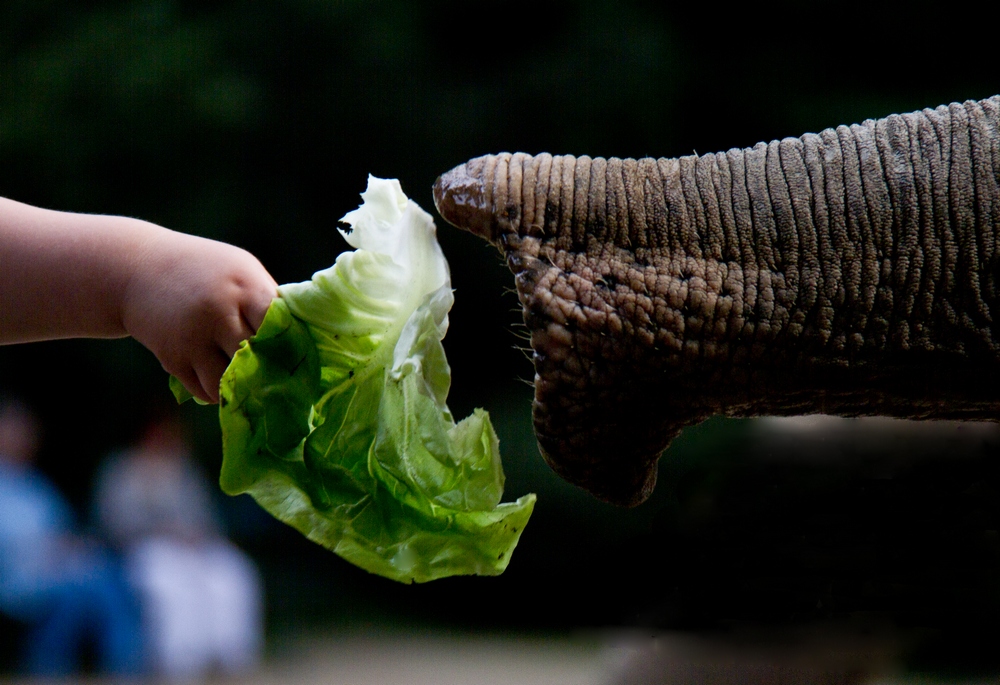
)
(461, 199)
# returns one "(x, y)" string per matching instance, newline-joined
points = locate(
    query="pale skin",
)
(190, 300)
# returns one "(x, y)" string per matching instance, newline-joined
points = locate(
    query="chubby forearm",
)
(65, 275)
(190, 300)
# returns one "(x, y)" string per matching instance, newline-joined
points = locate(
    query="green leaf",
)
(334, 414)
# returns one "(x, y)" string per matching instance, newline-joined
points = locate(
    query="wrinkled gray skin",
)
(850, 272)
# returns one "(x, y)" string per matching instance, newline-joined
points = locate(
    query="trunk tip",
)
(624, 482)
(460, 198)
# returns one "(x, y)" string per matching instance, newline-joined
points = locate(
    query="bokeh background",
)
(257, 123)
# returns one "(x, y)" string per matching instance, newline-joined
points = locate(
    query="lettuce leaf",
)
(334, 415)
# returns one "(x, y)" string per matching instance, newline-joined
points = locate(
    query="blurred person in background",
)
(201, 597)
(66, 589)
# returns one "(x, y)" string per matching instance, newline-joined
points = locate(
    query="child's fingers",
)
(255, 306)
(191, 381)
(246, 321)
(209, 370)
(233, 331)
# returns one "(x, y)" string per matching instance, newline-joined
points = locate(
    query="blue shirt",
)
(35, 520)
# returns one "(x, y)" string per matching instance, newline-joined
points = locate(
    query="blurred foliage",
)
(257, 123)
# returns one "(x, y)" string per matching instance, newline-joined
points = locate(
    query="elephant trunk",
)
(850, 272)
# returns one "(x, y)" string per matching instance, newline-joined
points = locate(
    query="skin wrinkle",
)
(616, 217)
(595, 212)
(677, 215)
(911, 242)
(746, 299)
(633, 206)
(789, 233)
(828, 210)
(963, 184)
(827, 271)
(992, 112)
(850, 262)
(873, 333)
(581, 205)
(528, 182)
(700, 233)
(765, 230)
(993, 145)
(654, 208)
(937, 164)
(895, 252)
(851, 272)
(931, 218)
(983, 209)
(957, 221)
(489, 172)
(708, 308)
(906, 208)
(708, 228)
(690, 239)
(728, 302)
(924, 222)
(550, 213)
(566, 203)
(541, 194)
(858, 233)
(751, 258)
(799, 192)
(681, 228)
(723, 183)
(500, 197)
(515, 180)
(948, 249)
(552, 203)
(925, 226)
(894, 247)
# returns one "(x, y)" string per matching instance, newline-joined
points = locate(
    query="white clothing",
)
(201, 606)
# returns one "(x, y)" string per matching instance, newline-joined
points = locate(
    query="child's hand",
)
(191, 301)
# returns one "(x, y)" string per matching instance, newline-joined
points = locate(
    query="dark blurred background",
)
(257, 124)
